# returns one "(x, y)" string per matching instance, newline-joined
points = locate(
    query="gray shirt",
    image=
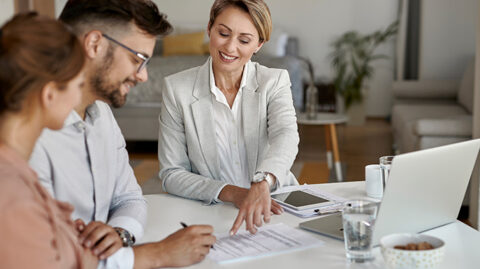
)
(86, 164)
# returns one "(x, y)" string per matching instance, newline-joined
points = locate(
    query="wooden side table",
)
(329, 120)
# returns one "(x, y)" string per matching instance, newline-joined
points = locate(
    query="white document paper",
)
(313, 212)
(269, 240)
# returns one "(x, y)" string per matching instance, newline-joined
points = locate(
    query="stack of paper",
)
(269, 240)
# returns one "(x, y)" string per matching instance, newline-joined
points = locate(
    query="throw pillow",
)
(206, 48)
(184, 44)
(188, 28)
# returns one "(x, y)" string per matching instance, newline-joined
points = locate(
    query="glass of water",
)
(358, 221)
(385, 164)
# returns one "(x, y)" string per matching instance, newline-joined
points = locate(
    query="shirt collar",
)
(243, 82)
(92, 113)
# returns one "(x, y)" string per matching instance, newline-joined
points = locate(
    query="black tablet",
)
(300, 200)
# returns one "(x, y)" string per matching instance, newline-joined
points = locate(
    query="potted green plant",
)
(352, 61)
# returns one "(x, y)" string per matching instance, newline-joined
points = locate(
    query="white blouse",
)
(230, 143)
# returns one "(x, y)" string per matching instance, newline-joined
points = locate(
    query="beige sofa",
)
(427, 114)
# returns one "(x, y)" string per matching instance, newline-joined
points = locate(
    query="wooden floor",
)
(358, 146)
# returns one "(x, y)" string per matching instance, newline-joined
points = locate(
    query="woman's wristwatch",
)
(260, 176)
(127, 238)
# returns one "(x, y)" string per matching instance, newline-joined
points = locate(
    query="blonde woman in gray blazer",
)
(228, 129)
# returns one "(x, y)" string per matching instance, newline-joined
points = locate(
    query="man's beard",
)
(105, 89)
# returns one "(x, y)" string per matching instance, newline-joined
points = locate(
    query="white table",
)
(329, 120)
(165, 213)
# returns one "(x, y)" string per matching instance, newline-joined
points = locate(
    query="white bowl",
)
(403, 259)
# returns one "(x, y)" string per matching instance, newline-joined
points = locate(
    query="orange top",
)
(35, 230)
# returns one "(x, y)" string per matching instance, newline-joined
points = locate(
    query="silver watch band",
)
(268, 177)
(127, 239)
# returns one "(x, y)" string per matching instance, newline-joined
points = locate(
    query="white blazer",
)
(189, 165)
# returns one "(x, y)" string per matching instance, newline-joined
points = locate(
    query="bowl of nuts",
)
(401, 251)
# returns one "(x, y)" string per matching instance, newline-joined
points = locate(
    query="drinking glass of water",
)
(358, 221)
(385, 164)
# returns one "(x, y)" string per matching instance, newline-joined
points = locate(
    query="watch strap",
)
(260, 176)
(127, 238)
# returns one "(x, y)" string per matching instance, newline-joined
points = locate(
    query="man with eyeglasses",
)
(86, 162)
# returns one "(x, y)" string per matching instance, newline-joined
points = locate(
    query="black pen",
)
(184, 225)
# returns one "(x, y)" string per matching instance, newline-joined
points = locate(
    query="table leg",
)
(328, 145)
(336, 156)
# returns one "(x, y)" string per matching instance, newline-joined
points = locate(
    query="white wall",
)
(6, 10)
(447, 34)
(59, 4)
(447, 37)
(316, 23)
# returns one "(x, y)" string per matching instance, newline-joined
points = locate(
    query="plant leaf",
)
(351, 60)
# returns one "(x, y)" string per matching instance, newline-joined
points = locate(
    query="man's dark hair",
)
(113, 13)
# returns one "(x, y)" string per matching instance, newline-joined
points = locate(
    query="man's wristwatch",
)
(127, 238)
(260, 176)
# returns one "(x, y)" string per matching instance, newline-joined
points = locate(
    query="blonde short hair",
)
(257, 9)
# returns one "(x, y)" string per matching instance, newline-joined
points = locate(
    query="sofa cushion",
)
(407, 140)
(457, 125)
(403, 113)
(184, 44)
(138, 122)
(425, 89)
(188, 28)
(405, 116)
(465, 92)
(426, 142)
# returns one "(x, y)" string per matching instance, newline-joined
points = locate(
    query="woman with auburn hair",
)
(41, 77)
(228, 129)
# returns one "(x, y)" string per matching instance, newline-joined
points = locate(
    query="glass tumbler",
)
(358, 222)
(385, 164)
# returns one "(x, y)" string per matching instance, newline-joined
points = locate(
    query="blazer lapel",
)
(202, 112)
(250, 112)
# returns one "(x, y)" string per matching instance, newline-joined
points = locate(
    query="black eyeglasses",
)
(144, 58)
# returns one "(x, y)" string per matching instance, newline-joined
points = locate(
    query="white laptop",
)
(425, 190)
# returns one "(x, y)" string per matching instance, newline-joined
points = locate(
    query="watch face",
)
(259, 177)
(127, 239)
